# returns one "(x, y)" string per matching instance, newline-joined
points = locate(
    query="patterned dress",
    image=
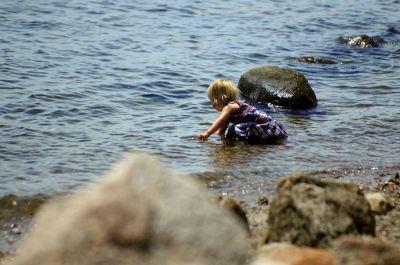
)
(254, 126)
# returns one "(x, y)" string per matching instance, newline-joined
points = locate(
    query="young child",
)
(247, 123)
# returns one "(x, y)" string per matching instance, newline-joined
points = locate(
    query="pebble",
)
(263, 201)
(16, 231)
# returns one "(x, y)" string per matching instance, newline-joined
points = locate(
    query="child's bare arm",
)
(220, 122)
(222, 129)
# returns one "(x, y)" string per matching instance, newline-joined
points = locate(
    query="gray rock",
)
(279, 86)
(141, 213)
(307, 211)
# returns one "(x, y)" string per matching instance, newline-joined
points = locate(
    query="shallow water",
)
(83, 83)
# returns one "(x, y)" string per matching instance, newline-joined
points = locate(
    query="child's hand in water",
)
(203, 136)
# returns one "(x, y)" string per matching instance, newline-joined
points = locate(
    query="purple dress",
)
(254, 126)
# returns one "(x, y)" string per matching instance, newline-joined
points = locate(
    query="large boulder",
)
(141, 213)
(307, 211)
(279, 86)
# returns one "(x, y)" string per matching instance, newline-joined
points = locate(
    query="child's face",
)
(218, 105)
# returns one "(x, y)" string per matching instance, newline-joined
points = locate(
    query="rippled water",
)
(83, 82)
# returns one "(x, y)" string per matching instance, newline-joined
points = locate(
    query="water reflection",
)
(234, 157)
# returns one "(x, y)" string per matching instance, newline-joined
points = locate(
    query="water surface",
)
(82, 83)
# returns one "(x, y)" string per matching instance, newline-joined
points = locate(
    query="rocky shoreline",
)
(16, 215)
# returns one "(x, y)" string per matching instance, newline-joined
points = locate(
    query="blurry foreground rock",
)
(235, 208)
(286, 254)
(307, 211)
(279, 86)
(366, 251)
(141, 213)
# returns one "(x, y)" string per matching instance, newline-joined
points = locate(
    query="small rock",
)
(16, 231)
(263, 201)
(380, 204)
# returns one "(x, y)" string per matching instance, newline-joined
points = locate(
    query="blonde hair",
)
(223, 90)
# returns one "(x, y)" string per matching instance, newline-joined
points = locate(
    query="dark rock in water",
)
(393, 30)
(363, 41)
(142, 213)
(279, 86)
(313, 60)
(366, 251)
(307, 211)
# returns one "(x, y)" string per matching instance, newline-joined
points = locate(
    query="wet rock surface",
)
(363, 41)
(278, 86)
(16, 213)
(16, 206)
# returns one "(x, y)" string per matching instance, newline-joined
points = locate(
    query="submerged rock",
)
(313, 60)
(141, 213)
(307, 211)
(278, 86)
(393, 30)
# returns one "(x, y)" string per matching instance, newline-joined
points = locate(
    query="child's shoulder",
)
(234, 105)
